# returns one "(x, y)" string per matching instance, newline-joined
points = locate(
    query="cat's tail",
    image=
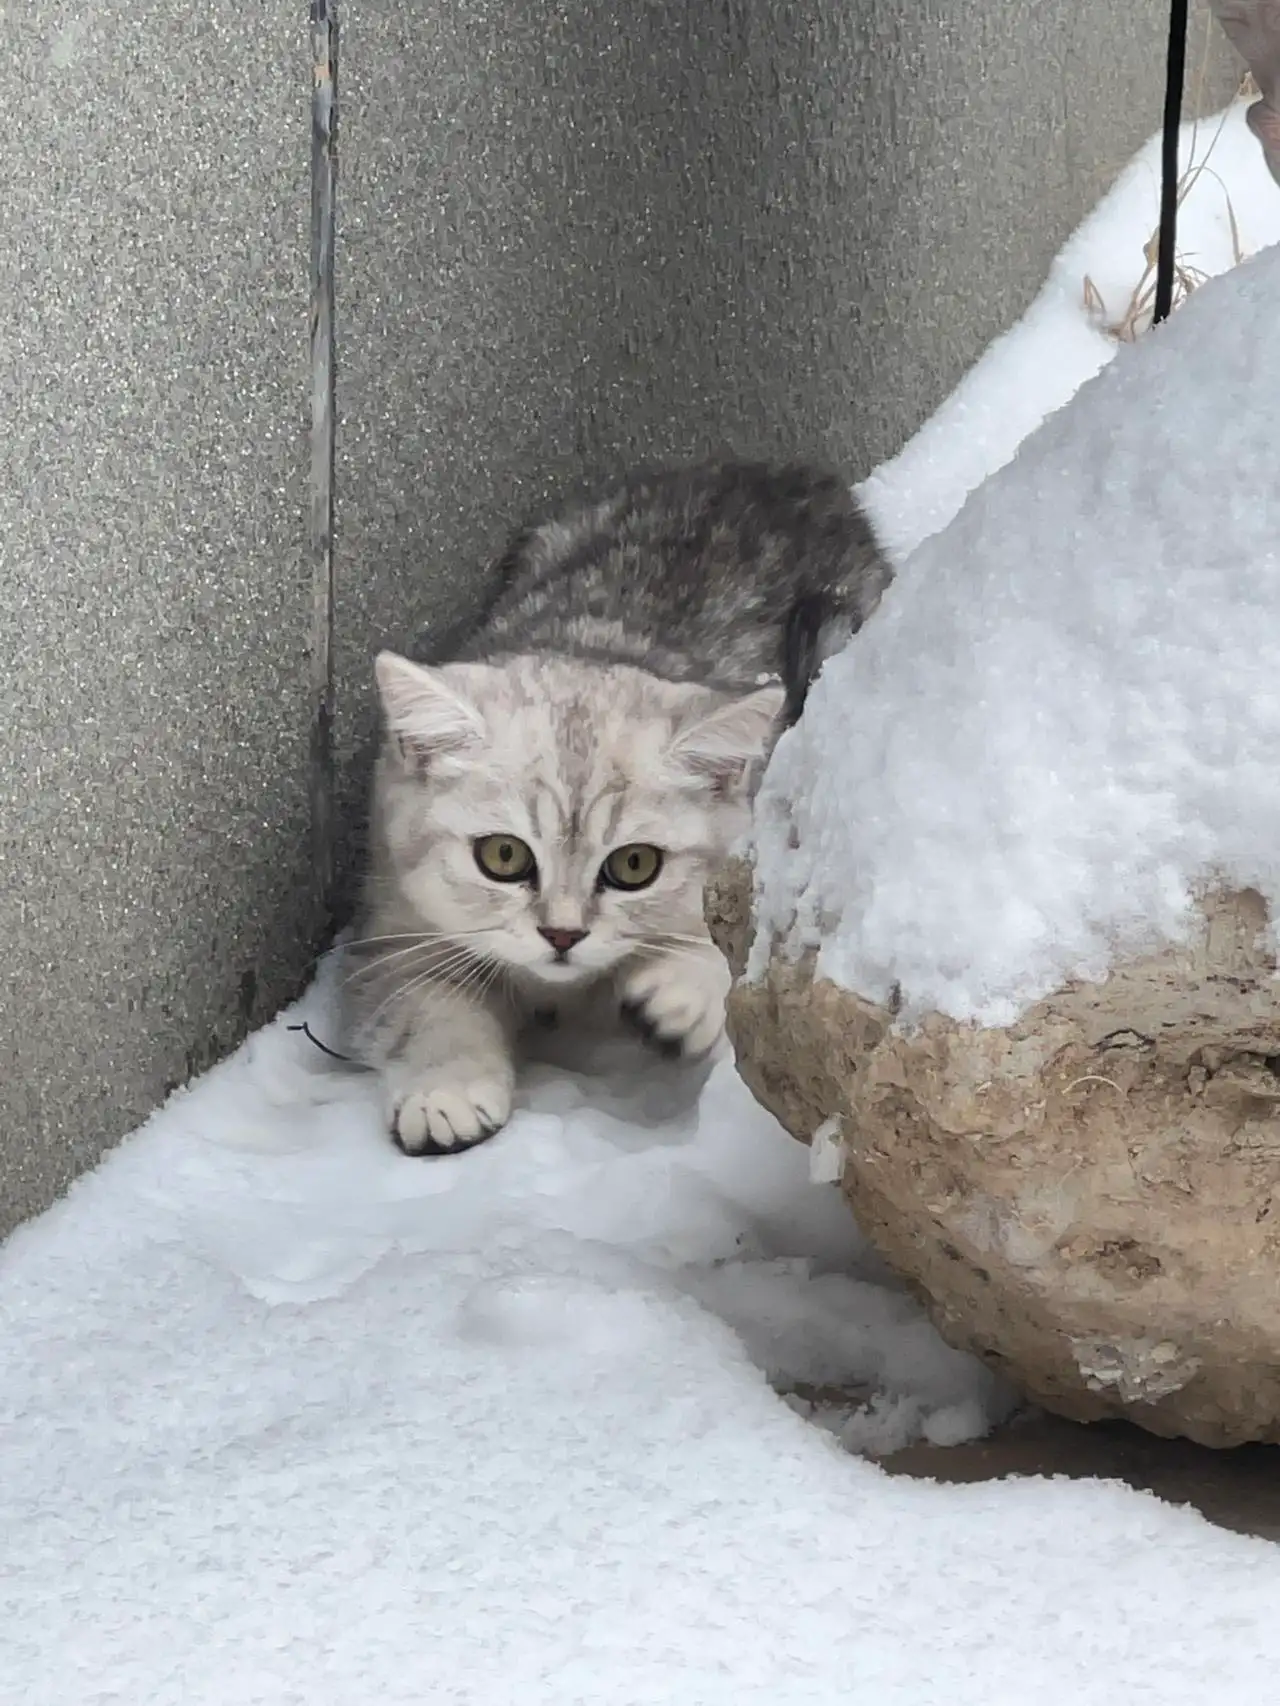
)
(802, 650)
(818, 625)
(843, 582)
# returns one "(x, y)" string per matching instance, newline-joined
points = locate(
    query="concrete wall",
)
(570, 236)
(154, 894)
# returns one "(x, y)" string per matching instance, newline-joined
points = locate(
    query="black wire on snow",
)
(324, 1048)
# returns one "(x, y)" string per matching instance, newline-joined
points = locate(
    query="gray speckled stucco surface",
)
(570, 236)
(153, 582)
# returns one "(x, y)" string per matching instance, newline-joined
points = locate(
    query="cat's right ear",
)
(425, 715)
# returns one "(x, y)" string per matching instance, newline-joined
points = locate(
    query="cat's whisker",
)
(485, 983)
(403, 992)
(434, 973)
(671, 944)
(370, 941)
(663, 951)
(384, 961)
(414, 936)
(428, 945)
(478, 982)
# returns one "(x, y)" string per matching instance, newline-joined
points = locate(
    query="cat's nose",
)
(560, 940)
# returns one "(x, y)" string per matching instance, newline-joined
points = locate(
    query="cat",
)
(558, 777)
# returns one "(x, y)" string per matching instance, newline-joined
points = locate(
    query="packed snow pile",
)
(1063, 722)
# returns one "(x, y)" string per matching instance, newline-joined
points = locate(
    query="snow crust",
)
(1063, 721)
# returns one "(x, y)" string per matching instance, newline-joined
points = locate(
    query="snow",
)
(287, 1417)
(291, 1418)
(1061, 725)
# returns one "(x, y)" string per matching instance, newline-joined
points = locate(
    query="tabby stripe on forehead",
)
(551, 817)
(616, 809)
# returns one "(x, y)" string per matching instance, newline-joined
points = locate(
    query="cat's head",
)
(555, 815)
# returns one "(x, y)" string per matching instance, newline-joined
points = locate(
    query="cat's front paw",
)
(443, 1113)
(677, 1001)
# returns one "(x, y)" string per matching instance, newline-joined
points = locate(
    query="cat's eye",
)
(632, 867)
(505, 858)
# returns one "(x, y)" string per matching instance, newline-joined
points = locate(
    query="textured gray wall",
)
(570, 236)
(153, 601)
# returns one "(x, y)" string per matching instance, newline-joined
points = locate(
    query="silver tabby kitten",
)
(556, 783)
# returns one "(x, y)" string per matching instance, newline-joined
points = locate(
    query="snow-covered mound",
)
(1064, 720)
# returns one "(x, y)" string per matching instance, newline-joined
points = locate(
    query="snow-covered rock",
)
(1016, 873)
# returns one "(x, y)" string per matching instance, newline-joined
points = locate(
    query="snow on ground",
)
(1065, 716)
(292, 1419)
(287, 1418)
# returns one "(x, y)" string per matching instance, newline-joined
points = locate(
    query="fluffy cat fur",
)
(632, 665)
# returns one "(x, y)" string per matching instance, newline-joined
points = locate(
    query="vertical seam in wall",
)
(324, 168)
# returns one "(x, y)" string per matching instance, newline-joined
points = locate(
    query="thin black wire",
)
(1175, 76)
(324, 1048)
(311, 1037)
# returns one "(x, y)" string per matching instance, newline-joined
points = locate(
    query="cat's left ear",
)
(426, 714)
(719, 747)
